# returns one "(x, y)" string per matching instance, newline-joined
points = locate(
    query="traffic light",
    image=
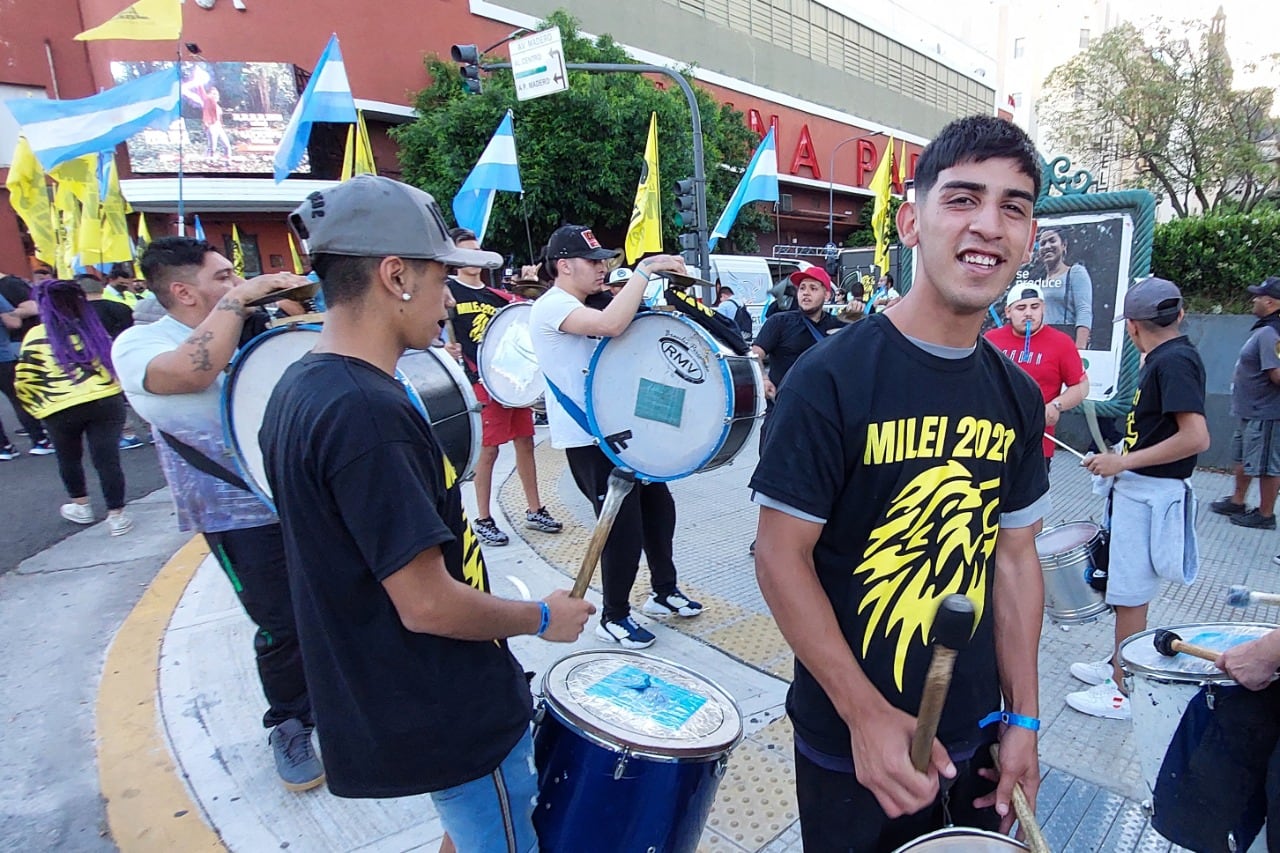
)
(689, 249)
(686, 204)
(468, 57)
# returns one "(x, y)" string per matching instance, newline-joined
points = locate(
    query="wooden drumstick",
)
(1025, 814)
(1169, 644)
(952, 626)
(621, 481)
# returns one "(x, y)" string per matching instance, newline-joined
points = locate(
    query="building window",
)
(1084, 39)
(1019, 47)
(252, 260)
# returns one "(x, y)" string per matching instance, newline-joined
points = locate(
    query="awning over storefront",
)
(219, 195)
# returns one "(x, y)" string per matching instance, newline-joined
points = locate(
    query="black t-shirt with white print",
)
(476, 306)
(910, 458)
(1172, 380)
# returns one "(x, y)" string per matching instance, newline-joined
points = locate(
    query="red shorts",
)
(500, 423)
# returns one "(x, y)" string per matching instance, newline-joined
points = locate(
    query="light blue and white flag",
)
(197, 228)
(326, 98)
(759, 183)
(495, 170)
(64, 130)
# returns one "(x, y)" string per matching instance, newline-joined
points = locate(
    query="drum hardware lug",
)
(722, 764)
(621, 767)
(1208, 698)
(539, 714)
(1128, 684)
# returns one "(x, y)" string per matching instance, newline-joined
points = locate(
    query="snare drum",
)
(962, 839)
(506, 361)
(630, 751)
(667, 400)
(1068, 555)
(453, 411)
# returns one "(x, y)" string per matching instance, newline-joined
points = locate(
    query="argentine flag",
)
(59, 131)
(496, 170)
(759, 183)
(326, 98)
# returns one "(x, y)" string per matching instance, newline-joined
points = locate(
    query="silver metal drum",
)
(1068, 552)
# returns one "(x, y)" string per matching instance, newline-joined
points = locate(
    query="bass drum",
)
(439, 390)
(505, 360)
(666, 399)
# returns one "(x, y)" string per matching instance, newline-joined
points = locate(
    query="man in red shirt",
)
(1050, 357)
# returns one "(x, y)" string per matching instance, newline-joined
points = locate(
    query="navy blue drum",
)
(630, 751)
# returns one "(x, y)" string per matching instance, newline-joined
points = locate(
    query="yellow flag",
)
(77, 202)
(293, 250)
(115, 245)
(880, 186)
(358, 157)
(145, 20)
(29, 197)
(67, 209)
(237, 252)
(144, 233)
(645, 231)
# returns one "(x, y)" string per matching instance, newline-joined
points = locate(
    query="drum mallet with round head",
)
(621, 481)
(1242, 596)
(952, 625)
(1026, 815)
(1169, 644)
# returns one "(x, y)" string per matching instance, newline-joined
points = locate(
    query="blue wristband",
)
(1010, 720)
(546, 620)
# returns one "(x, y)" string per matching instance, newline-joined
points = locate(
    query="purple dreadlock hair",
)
(66, 316)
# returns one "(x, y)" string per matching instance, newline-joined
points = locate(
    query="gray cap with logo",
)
(370, 216)
(1153, 299)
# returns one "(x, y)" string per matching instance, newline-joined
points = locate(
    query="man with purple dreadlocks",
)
(65, 378)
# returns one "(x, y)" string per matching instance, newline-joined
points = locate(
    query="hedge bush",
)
(1213, 258)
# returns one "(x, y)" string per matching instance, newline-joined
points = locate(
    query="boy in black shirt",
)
(1152, 505)
(902, 464)
(413, 686)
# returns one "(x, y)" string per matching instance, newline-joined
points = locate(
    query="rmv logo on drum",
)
(683, 359)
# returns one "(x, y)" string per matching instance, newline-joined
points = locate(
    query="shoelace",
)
(297, 749)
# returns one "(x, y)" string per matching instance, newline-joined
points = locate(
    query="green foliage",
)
(580, 151)
(863, 236)
(1213, 258)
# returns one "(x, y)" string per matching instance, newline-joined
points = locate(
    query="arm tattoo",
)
(200, 359)
(227, 303)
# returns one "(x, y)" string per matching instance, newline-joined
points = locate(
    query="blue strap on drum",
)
(574, 410)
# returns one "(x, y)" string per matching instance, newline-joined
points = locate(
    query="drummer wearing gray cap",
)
(1152, 506)
(413, 684)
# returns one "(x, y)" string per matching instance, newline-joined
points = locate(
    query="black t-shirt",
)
(115, 316)
(476, 307)
(362, 488)
(911, 459)
(18, 291)
(1172, 381)
(787, 334)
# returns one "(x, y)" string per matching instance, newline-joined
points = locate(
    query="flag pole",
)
(528, 235)
(182, 212)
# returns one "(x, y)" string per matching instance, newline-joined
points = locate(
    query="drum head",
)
(644, 704)
(254, 374)
(659, 396)
(961, 839)
(1065, 537)
(1138, 654)
(506, 362)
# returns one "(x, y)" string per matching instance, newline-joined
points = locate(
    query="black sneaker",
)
(296, 761)
(1254, 519)
(1226, 506)
(541, 520)
(9, 452)
(626, 633)
(488, 533)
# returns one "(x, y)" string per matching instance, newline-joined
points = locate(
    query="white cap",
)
(1019, 292)
(619, 276)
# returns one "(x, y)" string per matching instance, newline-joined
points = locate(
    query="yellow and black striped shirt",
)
(45, 388)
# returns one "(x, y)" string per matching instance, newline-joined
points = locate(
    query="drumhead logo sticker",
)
(683, 359)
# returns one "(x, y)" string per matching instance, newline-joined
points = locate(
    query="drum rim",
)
(594, 425)
(964, 832)
(1165, 675)
(228, 404)
(612, 742)
(480, 358)
(470, 401)
(1097, 529)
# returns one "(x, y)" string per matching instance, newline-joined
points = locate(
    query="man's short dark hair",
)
(889, 278)
(345, 279)
(457, 235)
(168, 259)
(121, 270)
(973, 140)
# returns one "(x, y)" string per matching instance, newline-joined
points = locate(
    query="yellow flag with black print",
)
(237, 252)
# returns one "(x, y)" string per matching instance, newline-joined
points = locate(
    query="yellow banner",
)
(880, 186)
(146, 20)
(645, 231)
(29, 197)
(237, 252)
(357, 159)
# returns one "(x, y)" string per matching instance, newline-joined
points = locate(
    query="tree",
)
(580, 151)
(1162, 109)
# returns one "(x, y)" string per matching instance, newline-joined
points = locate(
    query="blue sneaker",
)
(675, 604)
(626, 633)
(296, 761)
(9, 452)
(129, 442)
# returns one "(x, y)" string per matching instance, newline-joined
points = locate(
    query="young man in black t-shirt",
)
(1152, 504)
(903, 464)
(412, 683)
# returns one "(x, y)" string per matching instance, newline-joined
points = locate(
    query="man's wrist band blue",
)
(546, 620)
(1010, 720)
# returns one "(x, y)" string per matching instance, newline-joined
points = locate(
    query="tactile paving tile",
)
(776, 737)
(755, 640)
(757, 797)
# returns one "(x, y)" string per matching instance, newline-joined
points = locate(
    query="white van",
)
(751, 277)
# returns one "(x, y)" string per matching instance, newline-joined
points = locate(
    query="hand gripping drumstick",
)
(621, 481)
(1242, 596)
(952, 626)
(1022, 808)
(1169, 644)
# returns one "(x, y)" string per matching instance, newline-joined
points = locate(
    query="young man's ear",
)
(906, 221)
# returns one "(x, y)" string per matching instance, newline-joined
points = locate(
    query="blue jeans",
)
(494, 814)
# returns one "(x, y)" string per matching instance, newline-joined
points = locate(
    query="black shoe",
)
(1226, 506)
(296, 761)
(1254, 519)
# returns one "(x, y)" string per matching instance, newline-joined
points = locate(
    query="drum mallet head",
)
(1242, 596)
(1169, 644)
(952, 626)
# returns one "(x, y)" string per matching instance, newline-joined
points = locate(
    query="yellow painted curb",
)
(148, 807)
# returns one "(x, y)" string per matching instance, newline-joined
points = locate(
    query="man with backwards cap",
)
(414, 688)
(565, 332)
(1152, 504)
(1049, 356)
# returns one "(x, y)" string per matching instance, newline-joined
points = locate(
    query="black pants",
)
(30, 424)
(253, 560)
(838, 814)
(99, 421)
(647, 519)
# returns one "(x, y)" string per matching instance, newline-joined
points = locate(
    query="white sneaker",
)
(119, 524)
(1102, 700)
(1094, 672)
(79, 513)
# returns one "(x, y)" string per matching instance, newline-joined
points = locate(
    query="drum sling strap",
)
(574, 410)
(203, 463)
